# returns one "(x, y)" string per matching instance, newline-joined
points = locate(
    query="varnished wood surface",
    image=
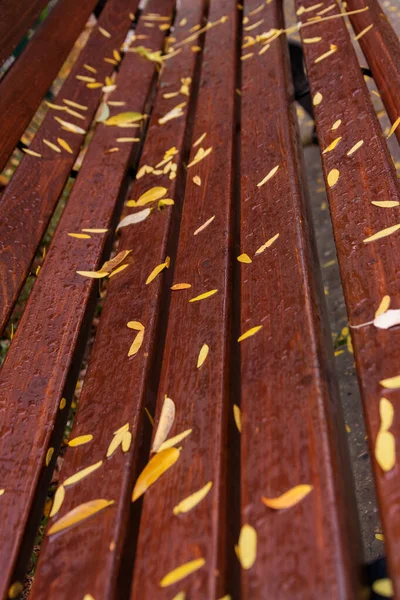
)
(16, 19)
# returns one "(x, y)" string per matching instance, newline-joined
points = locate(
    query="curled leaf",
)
(165, 423)
(157, 466)
(289, 498)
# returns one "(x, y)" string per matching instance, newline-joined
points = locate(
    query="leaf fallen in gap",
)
(203, 296)
(15, 590)
(385, 203)
(244, 258)
(81, 439)
(182, 571)
(391, 383)
(333, 177)
(157, 466)
(386, 413)
(82, 474)
(134, 218)
(174, 440)
(267, 244)
(193, 500)
(385, 450)
(78, 514)
(202, 355)
(156, 271)
(165, 423)
(381, 234)
(388, 319)
(181, 286)
(206, 224)
(137, 343)
(383, 587)
(111, 264)
(393, 128)
(58, 500)
(267, 177)
(249, 333)
(80, 236)
(237, 415)
(332, 145)
(103, 113)
(289, 498)
(383, 306)
(336, 124)
(246, 550)
(49, 456)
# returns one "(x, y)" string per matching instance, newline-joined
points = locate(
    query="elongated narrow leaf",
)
(134, 218)
(82, 474)
(78, 514)
(249, 333)
(58, 500)
(391, 383)
(268, 176)
(381, 234)
(237, 415)
(165, 423)
(136, 344)
(383, 306)
(206, 224)
(289, 498)
(81, 439)
(385, 450)
(246, 550)
(386, 413)
(124, 118)
(157, 466)
(182, 571)
(193, 500)
(156, 271)
(174, 440)
(202, 355)
(267, 244)
(203, 296)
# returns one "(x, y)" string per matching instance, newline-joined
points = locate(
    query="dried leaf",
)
(355, 147)
(333, 177)
(383, 587)
(363, 32)
(193, 500)
(237, 415)
(202, 355)
(336, 124)
(181, 286)
(313, 40)
(174, 113)
(81, 439)
(388, 319)
(386, 413)
(137, 343)
(65, 145)
(58, 500)
(49, 456)
(165, 423)
(333, 49)
(317, 99)
(385, 203)
(267, 244)
(244, 258)
(136, 325)
(78, 514)
(70, 126)
(383, 306)
(381, 234)
(156, 271)
(153, 194)
(75, 104)
(289, 498)
(126, 441)
(391, 383)
(200, 155)
(80, 236)
(332, 145)
(249, 333)
(134, 218)
(174, 440)
(203, 296)
(182, 571)
(206, 224)
(15, 589)
(267, 177)
(30, 152)
(385, 450)
(197, 180)
(393, 127)
(111, 264)
(93, 274)
(157, 466)
(199, 140)
(52, 146)
(82, 474)
(246, 549)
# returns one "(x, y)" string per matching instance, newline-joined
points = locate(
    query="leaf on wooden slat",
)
(78, 514)
(267, 244)
(81, 439)
(199, 140)
(70, 126)
(385, 450)
(289, 498)
(336, 124)
(246, 550)
(333, 177)
(126, 441)
(203, 296)
(82, 474)
(136, 344)
(49, 456)
(136, 325)
(181, 286)
(332, 145)
(165, 423)
(385, 203)
(174, 113)
(202, 355)
(313, 40)
(331, 51)
(92, 274)
(355, 147)
(58, 500)
(88, 597)
(118, 270)
(386, 413)
(388, 319)
(113, 263)
(381, 234)
(2, 491)
(317, 99)
(98, 230)
(174, 440)
(391, 383)
(182, 571)
(62, 404)
(75, 104)
(179, 596)
(393, 127)
(127, 139)
(249, 332)
(152, 195)
(268, 176)
(104, 32)
(383, 587)
(79, 236)
(237, 415)
(103, 113)
(200, 155)
(31, 152)
(134, 218)
(193, 500)
(85, 78)
(363, 32)
(156, 271)
(115, 443)
(383, 306)
(206, 224)
(197, 180)
(244, 258)
(51, 145)
(122, 429)
(65, 145)
(157, 466)
(15, 589)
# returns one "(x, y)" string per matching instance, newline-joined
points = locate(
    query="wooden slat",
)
(292, 428)
(24, 86)
(381, 48)
(368, 270)
(41, 365)
(200, 395)
(16, 19)
(109, 400)
(33, 192)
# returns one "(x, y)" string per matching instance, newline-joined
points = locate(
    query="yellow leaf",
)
(63, 403)
(385, 203)
(95, 230)
(332, 145)
(336, 124)
(82, 474)
(174, 440)
(136, 325)
(199, 140)
(249, 332)
(206, 224)
(49, 456)
(174, 113)
(200, 154)
(81, 439)
(70, 127)
(115, 442)
(137, 343)
(333, 177)
(383, 306)
(197, 180)
(381, 234)
(244, 258)
(93, 274)
(2, 491)
(182, 571)
(385, 450)
(313, 40)
(202, 355)
(191, 501)
(126, 441)
(104, 32)
(156, 467)
(237, 415)
(122, 429)
(393, 127)
(156, 272)
(58, 500)
(333, 49)
(75, 104)
(267, 244)
(118, 270)
(124, 118)
(363, 32)
(30, 152)
(127, 139)
(165, 423)
(383, 587)
(289, 498)
(52, 146)
(355, 147)
(65, 145)
(78, 514)
(246, 549)
(267, 177)
(391, 383)
(181, 286)
(15, 589)
(110, 265)
(80, 236)
(203, 296)
(153, 194)
(180, 595)
(149, 416)
(386, 413)
(317, 99)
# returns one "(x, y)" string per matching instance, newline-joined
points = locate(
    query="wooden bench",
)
(213, 307)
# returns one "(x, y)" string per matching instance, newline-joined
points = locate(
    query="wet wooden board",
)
(293, 431)
(368, 270)
(381, 48)
(42, 362)
(16, 19)
(33, 191)
(200, 395)
(23, 88)
(117, 388)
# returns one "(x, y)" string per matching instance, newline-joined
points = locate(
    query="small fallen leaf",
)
(193, 500)
(152, 195)
(15, 589)
(157, 466)
(332, 145)
(391, 383)
(65, 145)
(78, 514)
(182, 571)
(134, 218)
(237, 415)
(336, 124)
(385, 450)
(246, 550)
(174, 113)
(388, 319)
(82, 474)
(202, 355)
(313, 40)
(126, 441)
(136, 325)
(383, 587)
(156, 271)
(317, 99)
(385, 203)
(267, 244)
(393, 128)
(289, 498)
(118, 270)
(49, 456)
(203, 296)
(355, 147)
(206, 224)
(124, 118)
(95, 230)
(174, 440)
(333, 177)
(165, 423)
(81, 439)
(30, 152)
(181, 286)
(79, 236)
(244, 258)
(268, 176)
(199, 140)
(383, 306)
(381, 234)
(58, 500)
(197, 180)
(92, 274)
(249, 333)
(52, 146)
(386, 413)
(137, 343)
(200, 155)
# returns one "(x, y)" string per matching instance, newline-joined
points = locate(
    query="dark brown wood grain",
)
(381, 48)
(51, 334)
(292, 427)
(200, 395)
(34, 190)
(368, 270)
(16, 19)
(23, 88)
(117, 388)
